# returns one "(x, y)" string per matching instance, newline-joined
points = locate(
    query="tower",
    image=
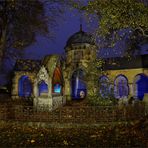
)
(80, 50)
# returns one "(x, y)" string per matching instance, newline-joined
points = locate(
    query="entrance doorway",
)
(25, 86)
(78, 86)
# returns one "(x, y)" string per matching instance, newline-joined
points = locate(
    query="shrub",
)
(96, 100)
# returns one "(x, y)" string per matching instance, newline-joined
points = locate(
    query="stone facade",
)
(15, 84)
(53, 71)
(77, 57)
(44, 99)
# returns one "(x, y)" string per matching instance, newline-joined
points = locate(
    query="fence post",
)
(60, 114)
(73, 112)
(94, 114)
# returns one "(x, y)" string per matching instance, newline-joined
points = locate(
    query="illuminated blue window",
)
(78, 86)
(57, 81)
(104, 86)
(24, 87)
(43, 88)
(140, 86)
(57, 88)
(121, 88)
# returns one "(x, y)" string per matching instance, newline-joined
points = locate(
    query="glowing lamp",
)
(57, 88)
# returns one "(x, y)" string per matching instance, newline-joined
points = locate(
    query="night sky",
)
(65, 28)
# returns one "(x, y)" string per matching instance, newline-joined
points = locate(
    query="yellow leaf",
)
(65, 142)
(32, 141)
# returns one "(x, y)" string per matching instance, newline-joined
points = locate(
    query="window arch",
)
(57, 81)
(140, 86)
(121, 88)
(104, 86)
(24, 87)
(78, 86)
(43, 88)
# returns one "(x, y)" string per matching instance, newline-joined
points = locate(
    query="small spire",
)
(81, 29)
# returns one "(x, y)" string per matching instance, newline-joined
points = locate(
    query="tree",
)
(22, 20)
(94, 71)
(115, 15)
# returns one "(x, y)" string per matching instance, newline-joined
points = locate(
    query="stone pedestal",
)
(42, 103)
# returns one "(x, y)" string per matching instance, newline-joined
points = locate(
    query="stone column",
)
(67, 89)
(15, 82)
(131, 92)
(50, 87)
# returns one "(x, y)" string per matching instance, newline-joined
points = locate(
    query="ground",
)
(119, 135)
(111, 134)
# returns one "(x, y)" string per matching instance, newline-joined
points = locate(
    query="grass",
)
(133, 134)
(121, 134)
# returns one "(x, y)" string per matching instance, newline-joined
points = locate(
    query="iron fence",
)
(67, 114)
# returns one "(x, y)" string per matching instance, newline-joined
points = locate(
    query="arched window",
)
(121, 88)
(140, 86)
(57, 81)
(78, 86)
(104, 86)
(43, 88)
(24, 87)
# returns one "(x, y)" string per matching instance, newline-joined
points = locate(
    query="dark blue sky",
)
(66, 27)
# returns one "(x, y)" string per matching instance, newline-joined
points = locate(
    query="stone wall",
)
(80, 53)
(15, 82)
(58, 101)
(42, 103)
(145, 71)
(78, 56)
(130, 74)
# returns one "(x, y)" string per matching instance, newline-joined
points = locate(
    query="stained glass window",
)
(57, 81)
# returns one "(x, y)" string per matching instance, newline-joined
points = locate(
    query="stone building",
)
(53, 80)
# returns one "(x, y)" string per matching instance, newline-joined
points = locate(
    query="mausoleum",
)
(56, 79)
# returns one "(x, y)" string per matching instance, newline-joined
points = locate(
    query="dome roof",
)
(80, 37)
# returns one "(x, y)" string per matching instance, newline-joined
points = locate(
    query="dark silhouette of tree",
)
(115, 15)
(22, 20)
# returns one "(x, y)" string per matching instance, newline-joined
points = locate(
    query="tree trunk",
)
(2, 44)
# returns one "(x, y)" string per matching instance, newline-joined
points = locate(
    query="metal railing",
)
(86, 114)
